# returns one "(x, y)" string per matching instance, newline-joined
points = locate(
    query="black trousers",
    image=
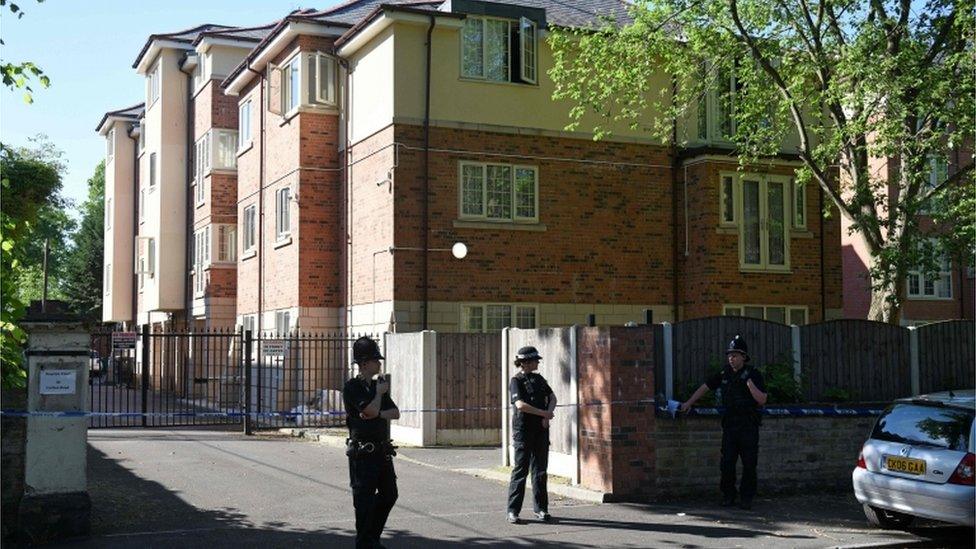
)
(374, 491)
(740, 439)
(531, 452)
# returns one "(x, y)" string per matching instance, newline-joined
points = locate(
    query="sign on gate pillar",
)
(55, 504)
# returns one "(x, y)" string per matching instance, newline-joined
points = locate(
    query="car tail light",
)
(860, 461)
(965, 473)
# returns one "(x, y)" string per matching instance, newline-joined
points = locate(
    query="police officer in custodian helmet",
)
(369, 410)
(742, 393)
(534, 404)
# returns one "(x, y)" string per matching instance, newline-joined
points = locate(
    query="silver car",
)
(919, 462)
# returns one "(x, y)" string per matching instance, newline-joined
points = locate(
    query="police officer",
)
(742, 394)
(369, 410)
(534, 404)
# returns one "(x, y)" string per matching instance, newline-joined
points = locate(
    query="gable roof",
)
(247, 34)
(132, 114)
(184, 36)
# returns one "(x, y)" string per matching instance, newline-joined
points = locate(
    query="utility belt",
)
(742, 415)
(363, 448)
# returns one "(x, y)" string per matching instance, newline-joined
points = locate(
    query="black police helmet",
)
(365, 349)
(738, 345)
(526, 354)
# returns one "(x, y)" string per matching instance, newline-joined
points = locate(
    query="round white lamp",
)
(459, 250)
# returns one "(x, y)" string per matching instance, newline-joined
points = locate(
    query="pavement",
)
(211, 488)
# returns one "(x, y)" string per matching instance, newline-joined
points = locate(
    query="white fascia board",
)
(208, 42)
(110, 122)
(158, 45)
(388, 18)
(279, 43)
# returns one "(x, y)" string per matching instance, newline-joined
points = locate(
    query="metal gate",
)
(175, 379)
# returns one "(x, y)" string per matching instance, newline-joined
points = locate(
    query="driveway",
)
(209, 488)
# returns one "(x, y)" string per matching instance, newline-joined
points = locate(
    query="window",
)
(759, 209)
(250, 228)
(215, 150)
(226, 243)
(938, 173)
(201, 259)
(250, 324)
(110, 146)
(108, 213)
(108, 278)
(142, 205)
(716, 106)
(493, 317)
(153, 83)
(244, 125)
(799, 205)
(201, 161)
(499, 192)
(936, 285)
(145, 258)
(783, 314)
(929, 426)
(282, 213)
(152, 171)
(727, 200)
(142, 272)
(151, 254)
(486, 45)
(282, 322)
(142, 135)
(307, 79)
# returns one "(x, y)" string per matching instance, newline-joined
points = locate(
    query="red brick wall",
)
(300, 152)
(608, 226)
(372, 224)
(709, 274)
(615, 441)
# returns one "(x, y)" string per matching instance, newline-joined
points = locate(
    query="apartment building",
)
(926, 297)
(372, 137)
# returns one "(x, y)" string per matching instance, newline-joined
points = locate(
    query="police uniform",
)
(741, 417)
(370, 452)
(530, 439)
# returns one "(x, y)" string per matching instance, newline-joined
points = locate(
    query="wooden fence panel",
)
(468, 370)
(870, 361)
(700, 344)
(947, 355)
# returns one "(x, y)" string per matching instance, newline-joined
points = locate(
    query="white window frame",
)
(110, 146)
(290, 103)
(152, 171)
(528, 48)
(153, 82)
(108, 213)
(283, 322)
(225, 244)
(738, 309)
(764, 180)
(108, 279)
(483, 216)
(465, 311)
(142, 135)
(727, 177)
(145, 258)
(306, 89)
(921, 294)
(142, 205)
(223, 149)
(244, 125)
(249, 225)
(799, 200)
(282, 213)
(322, 97)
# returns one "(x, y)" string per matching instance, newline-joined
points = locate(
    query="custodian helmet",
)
(365, 349)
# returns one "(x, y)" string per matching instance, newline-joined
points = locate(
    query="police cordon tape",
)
(774, 411)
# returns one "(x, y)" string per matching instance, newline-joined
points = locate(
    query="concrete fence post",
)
(916, 374)
(797, 367)
(506, 409)
(574, 392)
(668, 360)
(428, 397)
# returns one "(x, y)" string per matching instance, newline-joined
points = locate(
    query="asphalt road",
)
(169, 488)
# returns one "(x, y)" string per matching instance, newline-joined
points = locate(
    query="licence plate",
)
(911, 466)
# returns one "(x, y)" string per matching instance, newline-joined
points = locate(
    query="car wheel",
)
(889, 520)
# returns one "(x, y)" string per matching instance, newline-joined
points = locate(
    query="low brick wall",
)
(12, 449)
(795, 454)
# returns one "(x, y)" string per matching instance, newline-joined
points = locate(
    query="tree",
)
(28, 184)
(83, 272)
(19, 75)
(853, 80)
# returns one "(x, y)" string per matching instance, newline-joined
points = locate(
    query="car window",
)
(926, 425)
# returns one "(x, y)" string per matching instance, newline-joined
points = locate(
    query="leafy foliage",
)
(83, 280)
(20, 75)
(849, 81)
(781, 386)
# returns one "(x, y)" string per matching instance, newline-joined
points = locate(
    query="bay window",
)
(499, 192)
(308, 79)
(759, 207)
(486, 44)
